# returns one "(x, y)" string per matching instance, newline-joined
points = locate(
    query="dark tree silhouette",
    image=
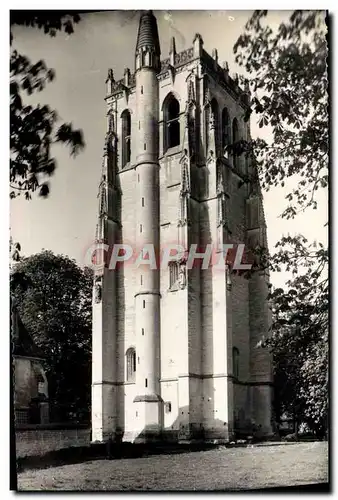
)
(53, 296)
(33, 129)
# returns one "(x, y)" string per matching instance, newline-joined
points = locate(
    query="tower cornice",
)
(182, 59)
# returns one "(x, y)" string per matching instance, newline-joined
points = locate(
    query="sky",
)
(65, 221)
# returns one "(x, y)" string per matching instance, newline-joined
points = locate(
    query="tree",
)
(288, 74)
(300, 333)
(33, 129)
(53, 297)
(288, 80)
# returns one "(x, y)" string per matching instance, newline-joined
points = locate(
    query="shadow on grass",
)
(310, 488)
(75, 455)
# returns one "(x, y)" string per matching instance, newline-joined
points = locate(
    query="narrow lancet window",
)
(126, 138)
(131, 364)
(235, 138)
(235, 362)
(226, 132)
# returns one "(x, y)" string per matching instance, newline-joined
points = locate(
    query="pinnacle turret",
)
(148, 33)
(172, 51)
(148, 44)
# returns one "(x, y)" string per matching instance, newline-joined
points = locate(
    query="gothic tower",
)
(175, 346)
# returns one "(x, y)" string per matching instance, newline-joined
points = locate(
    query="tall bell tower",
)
(175, 346)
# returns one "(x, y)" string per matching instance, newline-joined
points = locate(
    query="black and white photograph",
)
(169, 283)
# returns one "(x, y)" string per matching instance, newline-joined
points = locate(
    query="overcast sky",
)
(65, 221)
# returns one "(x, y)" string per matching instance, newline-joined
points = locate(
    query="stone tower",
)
(175, 351)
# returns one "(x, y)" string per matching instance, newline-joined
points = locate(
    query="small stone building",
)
(29, 378)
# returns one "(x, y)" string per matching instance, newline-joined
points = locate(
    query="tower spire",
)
(148, 51)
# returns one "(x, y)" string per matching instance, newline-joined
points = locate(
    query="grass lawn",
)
(218, 469)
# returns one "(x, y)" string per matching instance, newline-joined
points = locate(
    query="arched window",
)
(235, 362)
(226, 131)
(171, 122)
(126, 132)
(131, 364)
(235, 138)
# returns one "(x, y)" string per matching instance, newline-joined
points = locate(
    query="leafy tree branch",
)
(35, 128)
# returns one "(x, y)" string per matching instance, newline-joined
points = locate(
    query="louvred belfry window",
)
(173, 274)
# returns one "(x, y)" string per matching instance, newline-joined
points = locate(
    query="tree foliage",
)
(53, 296)
(34, 128)
(300, 327)
(288, 82)
(50, 21)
